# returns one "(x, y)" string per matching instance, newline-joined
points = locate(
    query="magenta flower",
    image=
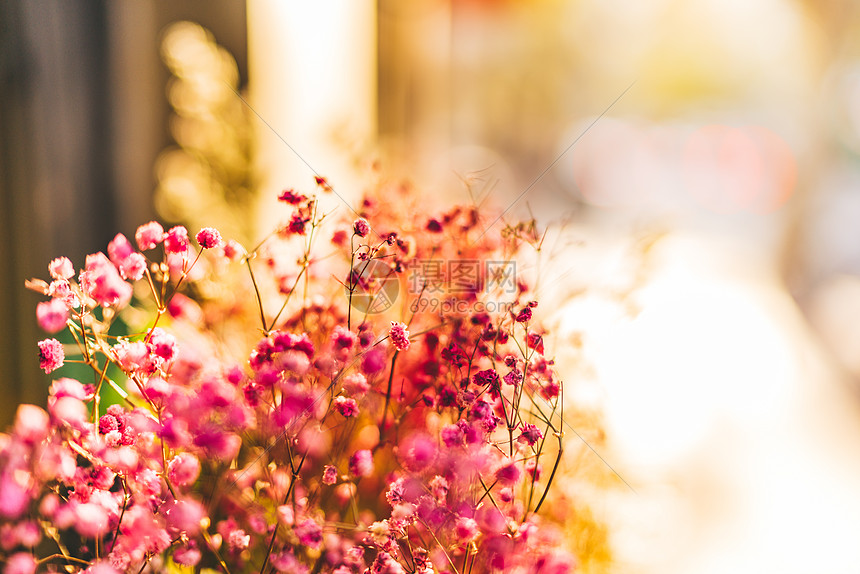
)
(399, 336)
(52, 315)
(508, 474)
(183, 469)
(20, 563)
(309, 533)
(131, 264)
(361, 227)
(149, 235)
(61, 268)
(290, 196)
(176, 240)
(361, 463)
(346, 407)
(329, 475)
(530, 434)
(51, 355)
(101, 281)
(208, 237)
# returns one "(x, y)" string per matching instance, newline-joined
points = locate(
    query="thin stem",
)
(387, 397)
(257, 294)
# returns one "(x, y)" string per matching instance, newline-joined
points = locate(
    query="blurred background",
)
(698, 161)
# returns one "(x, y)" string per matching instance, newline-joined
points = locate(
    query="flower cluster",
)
(341, 440)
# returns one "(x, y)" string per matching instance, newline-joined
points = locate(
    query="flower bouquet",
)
(347, 396)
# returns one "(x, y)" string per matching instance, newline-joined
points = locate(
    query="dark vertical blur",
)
(83, 115)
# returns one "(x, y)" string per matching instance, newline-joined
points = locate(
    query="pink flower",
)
(130, 263)
(524, 316)
(417, 452)
(51, 355)
(329, 476)
(61, 268)
(162, 343)
(20, 563)
(399, 336)
(290, 196)
(508, 474)
(187, 555)
(361, 227)
(183, 469)
(530, 434)
(14, 498)
(101, 281)
(176, 240)
(62, 289)
(133, 357)
(232, 250)
(346, 407)
(184, 516)
(31, 424)
(343, 340)
(309, 533)
(149, 235)
(238, 540)
(535, 341)
(208, 237)
(91, 520)
(52, 315)
(68, 410)
(66, 387)
(356, 384)
(361, 463)
(373, 361)
(465, 529)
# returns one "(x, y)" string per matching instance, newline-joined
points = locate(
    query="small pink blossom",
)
(52, 315)
(130, 263)
(176, 240)
(361, 227)
(61, 268)
(399, 336)
(187, 555)
(183, 469)
(51, 355)
(149, 235)
(329, 476)
(101, 281)
(466, 529)
(20, 563)
(373, 361)
(291, 196)
(356, 384)
(232, 249)
(238, 540)
(184, 516)
(31, 424)
(309, 533)
(91, 520)
(508, 474)
(61, 289)
(14, 498)
(530, 434)
(68, 410)
(524, 316)
(346, 407)
(133, 356)
(162, 343)
(208, 237)
(361, 463)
